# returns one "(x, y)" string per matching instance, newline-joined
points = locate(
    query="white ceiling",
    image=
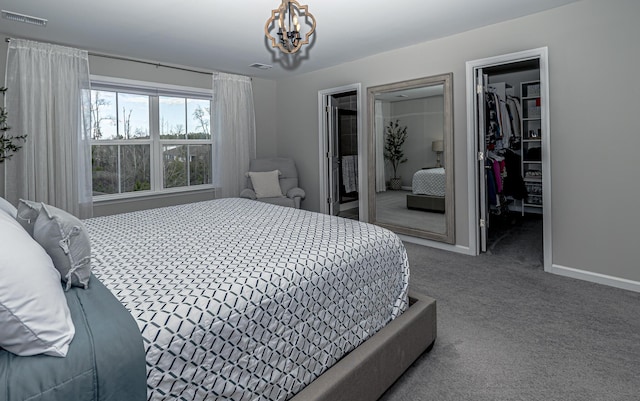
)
(229, 35)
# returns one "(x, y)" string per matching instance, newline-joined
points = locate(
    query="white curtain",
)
(379, 130)
(48, 99)
(234, 132)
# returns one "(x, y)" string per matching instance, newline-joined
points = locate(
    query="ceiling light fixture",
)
(288, 16)
(11, 16)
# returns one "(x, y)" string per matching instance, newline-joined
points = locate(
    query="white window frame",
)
(154, 90)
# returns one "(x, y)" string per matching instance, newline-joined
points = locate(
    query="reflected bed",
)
(428, 190)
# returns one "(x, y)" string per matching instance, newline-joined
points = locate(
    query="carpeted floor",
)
(509, 331)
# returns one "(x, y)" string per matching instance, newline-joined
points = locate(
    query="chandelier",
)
(288, 16)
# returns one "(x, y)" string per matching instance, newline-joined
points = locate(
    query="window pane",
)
(172, 117)
(104, 159)
(103, 115)
(175, 165)
(198, 116)
(135, 168)
(199, 164)
(133, 116)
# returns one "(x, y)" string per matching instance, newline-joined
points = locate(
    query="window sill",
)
(141, 195)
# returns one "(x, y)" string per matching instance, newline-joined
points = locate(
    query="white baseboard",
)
(595, 277)
(435, 244)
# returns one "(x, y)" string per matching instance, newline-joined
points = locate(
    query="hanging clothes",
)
(494, 121)
(505, 119)
(503, 141)
(513, 183)
(515, 112)
(492, 193)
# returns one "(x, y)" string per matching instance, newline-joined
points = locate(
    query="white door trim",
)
(472, 145)
(323, 96)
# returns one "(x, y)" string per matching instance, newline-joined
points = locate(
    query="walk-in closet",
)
(513, 163)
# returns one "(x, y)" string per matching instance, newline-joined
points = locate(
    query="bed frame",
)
(426, 202)
(368, 371)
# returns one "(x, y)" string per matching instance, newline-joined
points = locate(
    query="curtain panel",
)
(49, 100)
(234, 132)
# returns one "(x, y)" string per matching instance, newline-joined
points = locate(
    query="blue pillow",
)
(65, 239)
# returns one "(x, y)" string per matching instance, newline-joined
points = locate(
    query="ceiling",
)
(229, 35)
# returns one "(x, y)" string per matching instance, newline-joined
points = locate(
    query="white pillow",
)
(266, 184)
(34, 315)
(7, 207)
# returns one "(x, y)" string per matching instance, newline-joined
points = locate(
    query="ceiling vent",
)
(260, 66)
(27, 19)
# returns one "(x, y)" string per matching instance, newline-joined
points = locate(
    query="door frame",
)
(542, 54)
(323, 126)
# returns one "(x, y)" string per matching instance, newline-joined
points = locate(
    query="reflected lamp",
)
(438, 147)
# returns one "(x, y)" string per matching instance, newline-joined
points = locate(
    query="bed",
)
(428, 190)
(241, 300)
(105, 361)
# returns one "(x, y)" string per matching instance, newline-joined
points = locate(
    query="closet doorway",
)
(508, 137)
(340, 132)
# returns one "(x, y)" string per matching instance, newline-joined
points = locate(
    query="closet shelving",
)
(531, 144)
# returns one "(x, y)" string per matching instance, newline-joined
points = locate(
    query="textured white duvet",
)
(243, 300)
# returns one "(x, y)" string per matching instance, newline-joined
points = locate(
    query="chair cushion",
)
(266, 184)
(286, 166)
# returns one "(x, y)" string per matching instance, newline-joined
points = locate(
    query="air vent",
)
(27, 19)
(261, 66)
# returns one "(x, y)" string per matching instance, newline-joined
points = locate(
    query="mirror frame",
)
(447, 81)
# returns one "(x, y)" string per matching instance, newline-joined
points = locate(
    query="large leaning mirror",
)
(411, 157)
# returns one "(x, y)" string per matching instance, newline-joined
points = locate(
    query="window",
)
(149, 139)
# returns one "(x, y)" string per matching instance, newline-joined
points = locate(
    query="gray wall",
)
(594, 100)
(264, 92)
(424, 119)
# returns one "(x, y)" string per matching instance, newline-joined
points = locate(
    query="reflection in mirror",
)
(411, 157)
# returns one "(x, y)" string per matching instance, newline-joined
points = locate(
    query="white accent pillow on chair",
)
(266, 184)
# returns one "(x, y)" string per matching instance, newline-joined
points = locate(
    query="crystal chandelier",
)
(289, 39)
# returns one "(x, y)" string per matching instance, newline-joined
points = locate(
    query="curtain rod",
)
(149, 63)
(157, 65)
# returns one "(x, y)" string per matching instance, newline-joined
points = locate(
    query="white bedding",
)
(429, 182)
(243, 300)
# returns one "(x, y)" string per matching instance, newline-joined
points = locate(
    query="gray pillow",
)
(65, 239)
(27, 214)
(7, 207)
(266, 184)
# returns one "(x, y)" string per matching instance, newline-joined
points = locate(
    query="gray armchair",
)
(288, 181)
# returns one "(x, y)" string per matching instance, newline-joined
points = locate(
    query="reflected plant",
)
(395, 136)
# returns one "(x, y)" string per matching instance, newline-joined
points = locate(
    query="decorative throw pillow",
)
(65, 239)
(34, 315)
(266, 184)
(27, 214)
(8, 208)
